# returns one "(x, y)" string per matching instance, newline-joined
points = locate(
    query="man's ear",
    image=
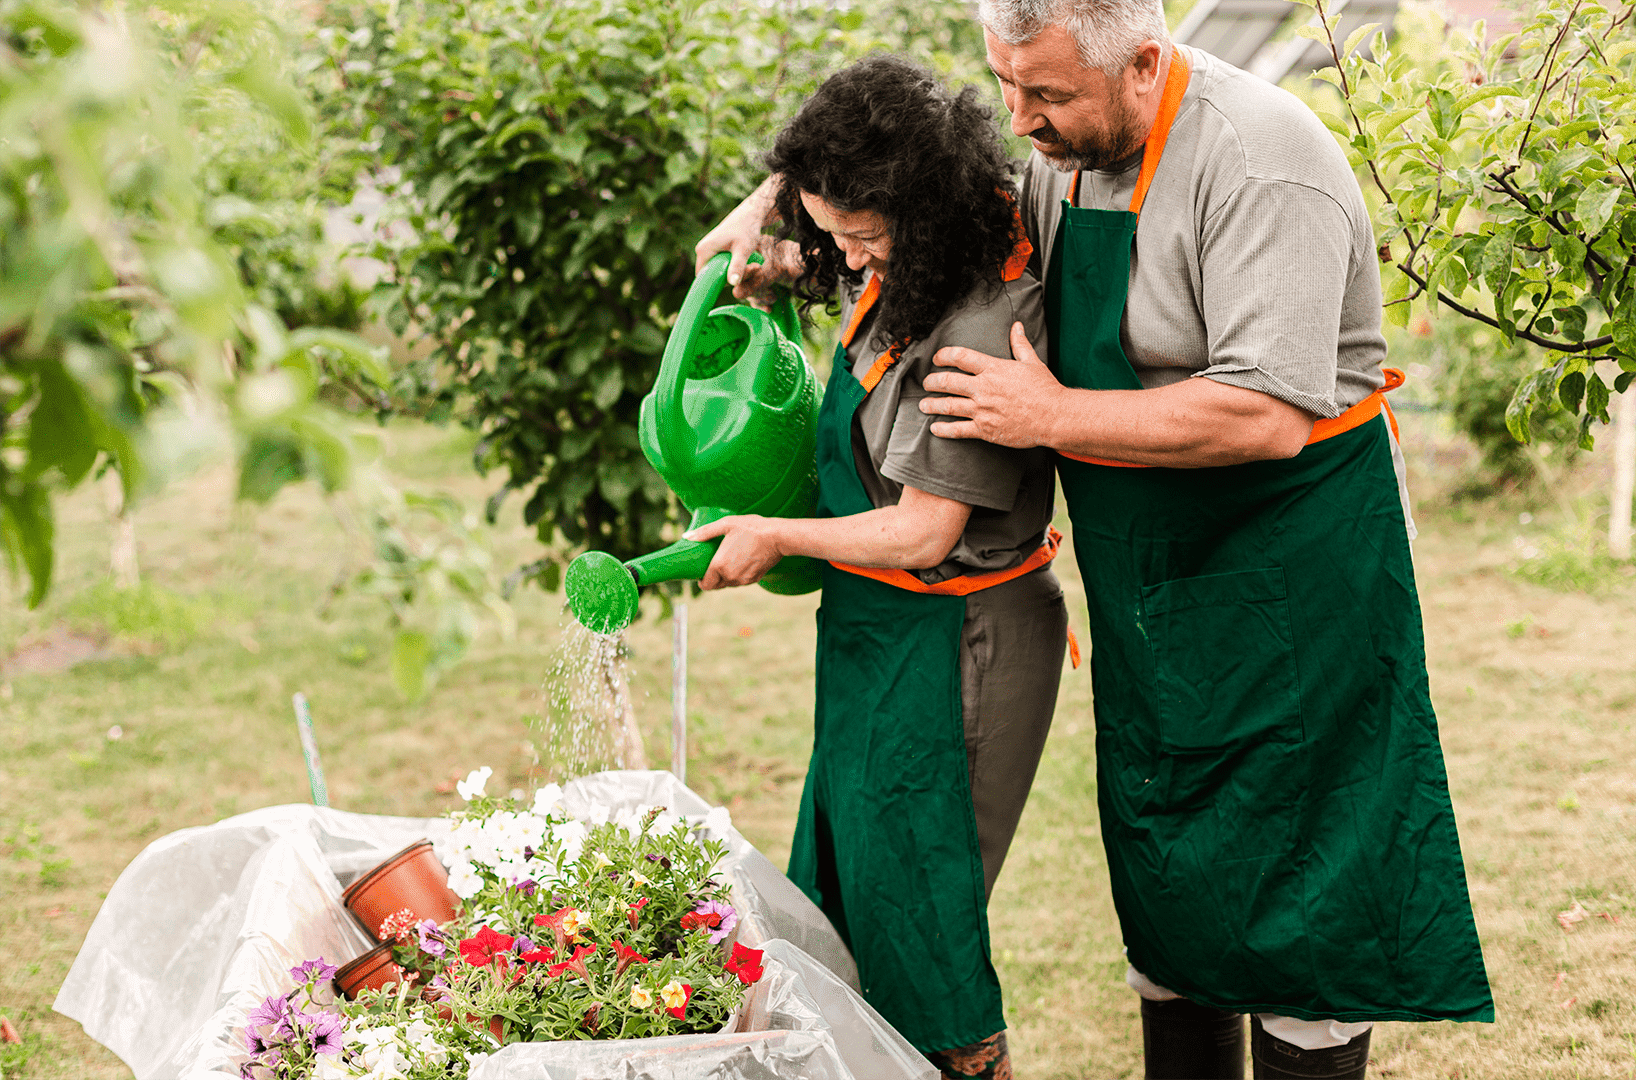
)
(1143, 70)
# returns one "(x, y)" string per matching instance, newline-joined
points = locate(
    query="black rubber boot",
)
(1185, 1041)
(1276, 1059)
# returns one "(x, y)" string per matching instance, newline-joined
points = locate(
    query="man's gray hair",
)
(1108, 32)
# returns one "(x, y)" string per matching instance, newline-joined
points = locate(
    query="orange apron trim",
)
(1325, 428)
(1170, 103)
(1014, 268)
(1073, 648)
(965, 584)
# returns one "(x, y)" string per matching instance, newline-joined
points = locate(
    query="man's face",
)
(1077, 117)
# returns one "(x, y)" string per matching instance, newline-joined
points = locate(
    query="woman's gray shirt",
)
(1010, 491)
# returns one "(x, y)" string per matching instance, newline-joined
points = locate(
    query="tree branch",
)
(1473, 313)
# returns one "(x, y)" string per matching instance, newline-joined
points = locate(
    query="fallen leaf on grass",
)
(1575, 914)
(1609, 916)
(52, 913)
(746, 631)
(1568, 1004)
(7, 1032)
(1559, 977)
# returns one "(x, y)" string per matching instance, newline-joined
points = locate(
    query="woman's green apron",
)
(1274, 805)
(886, 843)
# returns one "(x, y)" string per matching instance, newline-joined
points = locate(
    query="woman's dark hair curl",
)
(886, 135)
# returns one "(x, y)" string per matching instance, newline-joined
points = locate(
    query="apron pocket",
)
(1224, 660)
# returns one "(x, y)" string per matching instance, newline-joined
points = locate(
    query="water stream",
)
(588, 722)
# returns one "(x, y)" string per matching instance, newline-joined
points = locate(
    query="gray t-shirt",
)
(1010, 491)
(1254, 262)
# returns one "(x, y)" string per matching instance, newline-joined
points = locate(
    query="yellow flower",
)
(642, 997)
(638, 878)
(573, 921)
(674, 995)
(602, 862)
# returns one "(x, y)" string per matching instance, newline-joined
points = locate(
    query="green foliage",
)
(1475, 375)
(125, 328)
(556, 164)
(1509, 189)
(436, 577)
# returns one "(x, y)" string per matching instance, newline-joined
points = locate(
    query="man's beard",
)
(1119, 140)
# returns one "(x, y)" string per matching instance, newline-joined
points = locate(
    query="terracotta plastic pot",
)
(374, 970)
(413, 879)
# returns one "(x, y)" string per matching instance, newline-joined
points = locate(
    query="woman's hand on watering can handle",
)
(748, 550)
(740, 233)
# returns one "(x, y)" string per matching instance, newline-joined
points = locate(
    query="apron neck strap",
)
(1170, 103)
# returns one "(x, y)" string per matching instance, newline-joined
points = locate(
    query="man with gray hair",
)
(1274, 805)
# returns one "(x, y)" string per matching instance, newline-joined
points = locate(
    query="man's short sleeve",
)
(1276, 260)
(966, 470)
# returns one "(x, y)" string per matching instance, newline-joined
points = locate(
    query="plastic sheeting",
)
(207, 922)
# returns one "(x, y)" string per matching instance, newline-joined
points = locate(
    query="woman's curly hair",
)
(886, 135)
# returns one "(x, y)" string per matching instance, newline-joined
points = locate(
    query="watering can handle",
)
(679, 440)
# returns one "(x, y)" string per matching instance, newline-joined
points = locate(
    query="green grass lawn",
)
(1536, 692)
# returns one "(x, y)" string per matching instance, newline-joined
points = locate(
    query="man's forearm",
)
(1196, 423)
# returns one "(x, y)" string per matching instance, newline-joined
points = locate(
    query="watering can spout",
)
(730, 425)
(601, 590)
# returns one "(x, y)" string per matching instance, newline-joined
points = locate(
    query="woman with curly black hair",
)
(942, 627)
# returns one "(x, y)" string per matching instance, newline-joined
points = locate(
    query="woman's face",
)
(861, 236)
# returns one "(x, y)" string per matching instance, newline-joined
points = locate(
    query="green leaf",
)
(1313, 33)
(1597, 397)
(1358, 35)
(28, 532)
(1595, 206)
(411, 657)
(1445, 113)
(62, 430)
(1569, 253)
(1571, 390)
(1519, 413)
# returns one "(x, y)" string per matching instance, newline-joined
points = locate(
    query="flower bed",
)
(613, 927)
(207, 923)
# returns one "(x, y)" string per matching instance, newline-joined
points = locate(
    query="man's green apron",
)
(886, 843)
(1274, 805)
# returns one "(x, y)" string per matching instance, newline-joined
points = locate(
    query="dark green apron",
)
(1274, 805)
(886, 843)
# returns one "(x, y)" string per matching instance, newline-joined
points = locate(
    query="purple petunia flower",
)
(313, 971)
(269, 1012)
(522, 945)
(527, 886)
(325, 1033)
(431, 939)
(729, 919)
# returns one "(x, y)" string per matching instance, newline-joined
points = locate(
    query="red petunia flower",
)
(481, 950)
(575, 963)
(632, 909)
(695, 919)
(540, 956)
(627, 957)
(746, 964)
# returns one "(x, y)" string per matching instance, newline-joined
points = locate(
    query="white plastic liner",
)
(206, 922)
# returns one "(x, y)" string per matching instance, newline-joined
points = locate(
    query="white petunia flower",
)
(465, 880)
(599, 814)
(474, 783)
(547, 799)
(571, 835)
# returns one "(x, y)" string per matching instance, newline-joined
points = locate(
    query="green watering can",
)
(730, 424)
